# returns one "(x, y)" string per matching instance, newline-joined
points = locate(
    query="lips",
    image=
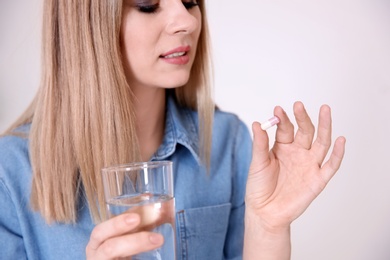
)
(177, 52)
(174, 55)
(177, 56)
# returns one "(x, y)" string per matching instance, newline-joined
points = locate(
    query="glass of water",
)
(145, 188)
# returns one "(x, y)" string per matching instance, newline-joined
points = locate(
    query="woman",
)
(128, 81)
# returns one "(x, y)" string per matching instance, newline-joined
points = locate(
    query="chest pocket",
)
(202, 231)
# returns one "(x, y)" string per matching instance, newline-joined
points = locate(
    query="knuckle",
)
(97, 234)
(88, 251)
(108, 248)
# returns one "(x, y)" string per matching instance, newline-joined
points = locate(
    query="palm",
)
(284, 181)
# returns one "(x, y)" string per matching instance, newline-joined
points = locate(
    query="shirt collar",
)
(180, 128)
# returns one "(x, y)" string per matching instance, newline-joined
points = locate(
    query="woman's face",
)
(159, 41)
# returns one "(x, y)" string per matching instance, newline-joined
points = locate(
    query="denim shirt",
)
(209, 203)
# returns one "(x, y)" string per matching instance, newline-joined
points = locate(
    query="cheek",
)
(132, 37)
(125, 42)
(198, 17)
(196, 36)
(134, 50)
(139, 43)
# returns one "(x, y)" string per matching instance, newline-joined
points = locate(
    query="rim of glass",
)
(136, 166)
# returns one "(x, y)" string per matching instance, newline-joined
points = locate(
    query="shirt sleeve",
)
(11, 241)
(242, 155)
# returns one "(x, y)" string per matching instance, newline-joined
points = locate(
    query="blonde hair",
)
(83, 112)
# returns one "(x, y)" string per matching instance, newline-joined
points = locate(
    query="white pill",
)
(270, 123)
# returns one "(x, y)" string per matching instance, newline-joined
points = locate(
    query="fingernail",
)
(156, 239)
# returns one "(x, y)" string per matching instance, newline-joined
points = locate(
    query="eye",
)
(146, 6)
(149, 9)
(190, 4)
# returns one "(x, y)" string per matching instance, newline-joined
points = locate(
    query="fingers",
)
(118, 225)
(260, 149)
(112, 238)
(335, 159)
(324, 134)
(305, 133)
(131, 244)
(285, 131)
(304, 136)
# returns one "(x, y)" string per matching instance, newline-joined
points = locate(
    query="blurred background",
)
(269, 53)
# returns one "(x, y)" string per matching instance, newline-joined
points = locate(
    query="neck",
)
(150, 115)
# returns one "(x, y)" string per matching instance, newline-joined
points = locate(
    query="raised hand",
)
(283, 181)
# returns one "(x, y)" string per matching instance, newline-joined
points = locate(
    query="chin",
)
(177, 81)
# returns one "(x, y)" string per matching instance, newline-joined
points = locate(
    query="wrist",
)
(265, 241)
(267, 225)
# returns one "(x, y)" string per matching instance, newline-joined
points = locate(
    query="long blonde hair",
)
(82, 117)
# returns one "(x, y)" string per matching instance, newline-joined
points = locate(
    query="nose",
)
(180, 20)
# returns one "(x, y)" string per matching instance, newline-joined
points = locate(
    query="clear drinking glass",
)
(145, 188)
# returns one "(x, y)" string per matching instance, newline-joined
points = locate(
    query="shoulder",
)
(231, 141)
(14, 146)
(228, 124)
(14, 156)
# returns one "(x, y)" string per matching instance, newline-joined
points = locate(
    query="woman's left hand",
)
(283, 181)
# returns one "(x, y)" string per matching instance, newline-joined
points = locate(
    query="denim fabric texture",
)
(209, 203)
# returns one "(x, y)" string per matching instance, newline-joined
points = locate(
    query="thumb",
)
(260, 148)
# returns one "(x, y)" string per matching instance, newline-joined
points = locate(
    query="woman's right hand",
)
(113, 238)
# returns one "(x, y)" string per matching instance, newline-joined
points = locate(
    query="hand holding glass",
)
(145, 188)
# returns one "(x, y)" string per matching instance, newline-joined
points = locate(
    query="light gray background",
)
(271, 53)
